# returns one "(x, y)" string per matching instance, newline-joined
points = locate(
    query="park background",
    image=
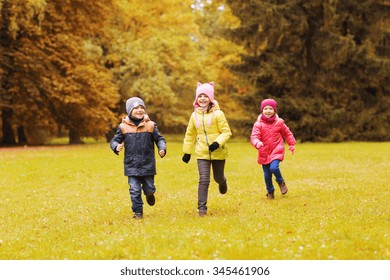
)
(67, 68)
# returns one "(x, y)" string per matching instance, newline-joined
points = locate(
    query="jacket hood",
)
(199, 110)
(259, 118)
(127, 120)
(214, 107)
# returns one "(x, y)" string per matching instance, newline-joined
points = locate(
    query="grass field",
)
(72, 202)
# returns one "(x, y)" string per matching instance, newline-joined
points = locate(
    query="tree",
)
(155, 56)
(213, 18)
(327, 61)
(52, 79)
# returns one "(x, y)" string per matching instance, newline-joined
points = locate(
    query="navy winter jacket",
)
(139, 158)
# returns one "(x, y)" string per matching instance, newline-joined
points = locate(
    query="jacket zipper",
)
(205, 134)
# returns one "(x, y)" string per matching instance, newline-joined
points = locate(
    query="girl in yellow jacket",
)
(207, 132)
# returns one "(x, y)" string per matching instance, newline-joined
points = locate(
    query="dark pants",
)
(137, 185)
(204, 178)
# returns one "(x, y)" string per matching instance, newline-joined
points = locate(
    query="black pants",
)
(204, 178)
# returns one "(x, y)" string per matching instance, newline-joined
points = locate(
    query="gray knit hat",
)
(133, 102)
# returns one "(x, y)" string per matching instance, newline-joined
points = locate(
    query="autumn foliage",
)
(68, 66)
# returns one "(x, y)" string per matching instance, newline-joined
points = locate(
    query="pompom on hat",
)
(133, 102)
(268, 102)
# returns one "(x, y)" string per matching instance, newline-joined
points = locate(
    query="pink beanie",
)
(207, 89)
(268, 102)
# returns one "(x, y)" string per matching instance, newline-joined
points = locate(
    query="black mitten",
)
(213, 146)
(186, 158)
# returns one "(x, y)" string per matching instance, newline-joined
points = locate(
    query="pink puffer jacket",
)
(273, 136)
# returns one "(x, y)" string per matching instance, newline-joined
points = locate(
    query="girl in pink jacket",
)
(268, 135)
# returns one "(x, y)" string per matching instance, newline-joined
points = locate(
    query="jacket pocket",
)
(262, 154)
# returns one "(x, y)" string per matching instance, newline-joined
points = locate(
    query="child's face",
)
(268, 111)
(138, 112)
(203, 100)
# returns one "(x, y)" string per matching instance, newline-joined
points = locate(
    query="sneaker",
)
(150, 199)
(202, 213)
(271, 195)
(137, 216)
(283, 188)
(223, 187)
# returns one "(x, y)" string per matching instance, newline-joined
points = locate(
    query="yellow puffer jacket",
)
(204, 135)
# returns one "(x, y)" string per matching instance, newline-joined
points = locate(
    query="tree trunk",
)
(74, 137)
(8, 133)
(22, 139)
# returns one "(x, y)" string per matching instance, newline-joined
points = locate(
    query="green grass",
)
(72, 202)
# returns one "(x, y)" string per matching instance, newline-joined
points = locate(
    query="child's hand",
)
(213, 146)
(292, 149)
(186, 158)
(119, 147)
(259, 145)
(162, 153)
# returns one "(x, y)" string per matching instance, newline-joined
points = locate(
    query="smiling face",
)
(203, 100)
(138, 112)
(268, 111)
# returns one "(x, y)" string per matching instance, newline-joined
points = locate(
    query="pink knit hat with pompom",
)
(268, 102)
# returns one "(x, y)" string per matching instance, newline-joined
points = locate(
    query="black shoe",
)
(202, 213)
(150, 199)
(223, 187)
(137, 216)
